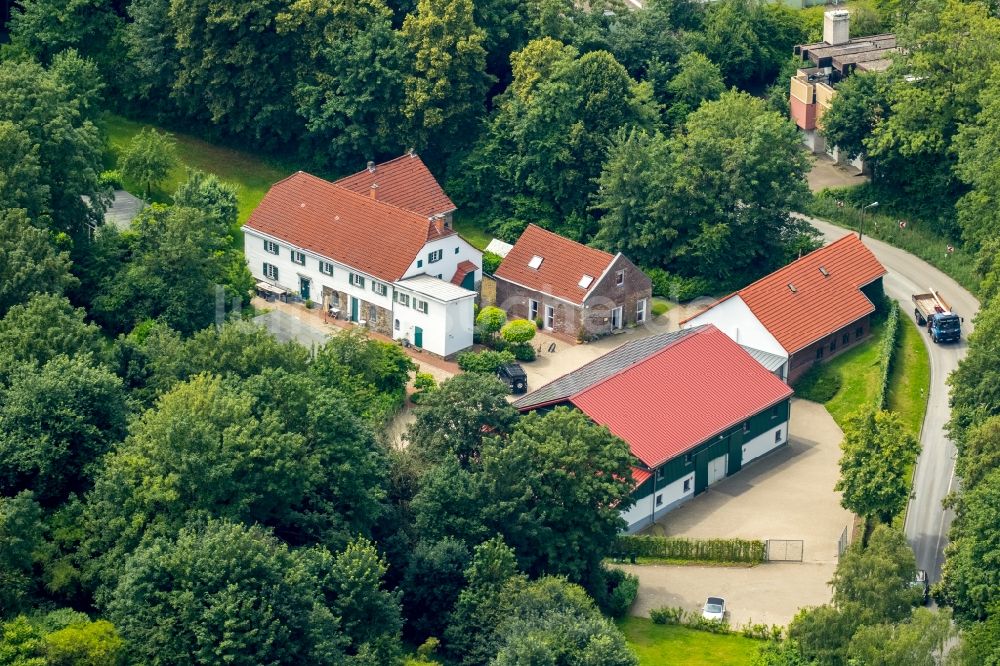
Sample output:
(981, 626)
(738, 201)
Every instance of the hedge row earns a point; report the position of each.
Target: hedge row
(707, 550)
(887, 354)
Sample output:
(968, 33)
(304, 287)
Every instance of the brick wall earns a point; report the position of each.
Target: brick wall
(608, 294)
(831, 345)
(513, 299)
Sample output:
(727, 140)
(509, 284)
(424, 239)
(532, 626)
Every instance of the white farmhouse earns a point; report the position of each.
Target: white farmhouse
(376, 248)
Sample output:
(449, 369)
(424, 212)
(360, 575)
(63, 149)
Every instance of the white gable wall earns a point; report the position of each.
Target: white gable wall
(735, 319)
(450, 258)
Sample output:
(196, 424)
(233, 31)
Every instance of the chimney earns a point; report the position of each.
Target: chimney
(371, 167)
(372, 191)
(836, 27)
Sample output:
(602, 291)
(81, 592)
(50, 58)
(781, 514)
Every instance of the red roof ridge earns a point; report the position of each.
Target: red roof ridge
(786, 267)
(698, 330)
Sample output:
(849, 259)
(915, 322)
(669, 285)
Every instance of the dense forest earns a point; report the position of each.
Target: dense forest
(178, 487)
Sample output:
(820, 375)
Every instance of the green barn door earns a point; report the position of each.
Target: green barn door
(700, 472)
(469, 281)
(418, 337)
(735, 452)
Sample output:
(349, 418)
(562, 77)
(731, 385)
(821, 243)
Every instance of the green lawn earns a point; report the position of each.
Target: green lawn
(910, 379)
(471, 229)
(253, 175)
(859, 373)
(661, 644)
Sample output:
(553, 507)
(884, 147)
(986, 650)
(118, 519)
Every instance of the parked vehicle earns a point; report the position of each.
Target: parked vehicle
(921, 581)
(514, 376)
(932, 311)
(715, 609)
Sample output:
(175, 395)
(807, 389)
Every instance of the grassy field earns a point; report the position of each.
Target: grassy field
(910, 379)
(249, 172)
(662, 645)
(859, 372)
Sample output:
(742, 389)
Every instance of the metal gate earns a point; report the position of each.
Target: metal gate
(844, 541)
(785, 550)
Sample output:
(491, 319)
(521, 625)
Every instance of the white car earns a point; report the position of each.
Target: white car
(715, 609)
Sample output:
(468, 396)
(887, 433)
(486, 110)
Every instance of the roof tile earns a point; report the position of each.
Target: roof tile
(564, 263)
(405, 182)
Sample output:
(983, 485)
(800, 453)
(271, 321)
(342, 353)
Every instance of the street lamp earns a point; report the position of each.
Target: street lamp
(861, 223)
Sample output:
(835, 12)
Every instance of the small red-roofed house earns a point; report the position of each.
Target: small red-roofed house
(807, 312)
(693, 406)
(573, 290)
(376, 248)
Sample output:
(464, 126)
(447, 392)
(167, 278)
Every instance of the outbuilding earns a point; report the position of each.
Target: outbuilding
(693, 406)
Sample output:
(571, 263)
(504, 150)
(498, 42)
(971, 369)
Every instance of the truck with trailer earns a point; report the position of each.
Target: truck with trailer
(931, 310)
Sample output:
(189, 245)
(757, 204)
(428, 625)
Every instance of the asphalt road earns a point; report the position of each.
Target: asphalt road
(927, 522)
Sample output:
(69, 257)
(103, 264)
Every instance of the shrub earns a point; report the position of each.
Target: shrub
(485, 361)
(708, 550)
(819, 384)
(490, 320)
(491, 262)
(678, 288)
(659, 307)
(622, 590)
(764, 632)
(666, 615)
(694, 620)
(523, 352)
(111, 179)
(423, 383)
(518, 331)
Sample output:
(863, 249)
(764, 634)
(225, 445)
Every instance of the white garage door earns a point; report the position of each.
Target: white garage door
(717, 468)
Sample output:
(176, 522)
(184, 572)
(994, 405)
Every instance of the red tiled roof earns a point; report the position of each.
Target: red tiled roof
(463, 269)
(639, 476)
(821, 304)
(564, 263)
(372, 236)
(405, 182)
(681, 396)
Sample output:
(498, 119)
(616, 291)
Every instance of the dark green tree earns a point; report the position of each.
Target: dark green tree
(45, 28)
(446, 87)
(860, 103)
(224, 593)
(20, 549)
(877, 451)
(29, 260)
(969, 581)
(148, 158)
(556, 488)
(873, 583)
(434, 578)
(45, 327)
(55, 423)
(917, 642)
(697, 80)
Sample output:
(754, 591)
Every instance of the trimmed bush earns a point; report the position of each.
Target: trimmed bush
(491, 262)
(667, 615)
(622, 590)
(677, 288)
(887, 353)
(487, 362)
(705, 550)
(523, 352)
(819, 384)
(518, 331)
(659, 308)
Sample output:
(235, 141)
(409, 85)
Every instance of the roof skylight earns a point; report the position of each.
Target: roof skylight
(535, 262)
(586, 280)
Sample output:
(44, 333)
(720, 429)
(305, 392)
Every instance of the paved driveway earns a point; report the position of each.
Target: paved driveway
(787, 494)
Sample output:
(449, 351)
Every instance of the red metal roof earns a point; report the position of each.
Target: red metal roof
(564, 263)
(681, 396)
(405, 182)
(372, 236)
(821, 303)
(463, 269)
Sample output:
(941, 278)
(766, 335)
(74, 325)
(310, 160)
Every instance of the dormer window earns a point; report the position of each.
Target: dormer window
(585, 281)
(535, 262)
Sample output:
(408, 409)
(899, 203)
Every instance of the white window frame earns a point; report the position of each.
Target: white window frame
(379, 288)
(550, 318)
(325, 267)
(640, 311)
(435, 256)
(298, 257)
(402, 299)
(271, 247)
(532, 309)
(420, 306)
(620, 278)
(357, 280)
(270, 271)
